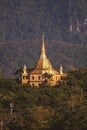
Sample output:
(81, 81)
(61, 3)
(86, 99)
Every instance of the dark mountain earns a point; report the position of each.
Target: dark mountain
(14, 55)
(22, 22)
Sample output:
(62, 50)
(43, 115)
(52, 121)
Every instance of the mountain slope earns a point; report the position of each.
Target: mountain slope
(23, 22)
(15, 54)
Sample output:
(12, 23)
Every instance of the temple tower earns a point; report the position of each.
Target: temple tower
(43, 68)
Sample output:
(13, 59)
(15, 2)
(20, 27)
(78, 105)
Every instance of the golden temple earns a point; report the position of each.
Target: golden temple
(43, 72)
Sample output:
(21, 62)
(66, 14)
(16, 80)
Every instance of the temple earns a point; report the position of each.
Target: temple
(43, 72)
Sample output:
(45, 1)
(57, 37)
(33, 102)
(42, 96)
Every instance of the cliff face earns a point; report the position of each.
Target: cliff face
(78, 16)
(20, 20)
(22, 23)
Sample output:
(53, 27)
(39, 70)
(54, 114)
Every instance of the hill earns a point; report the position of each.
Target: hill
(46, 107)
(23, 22)
(15, 54)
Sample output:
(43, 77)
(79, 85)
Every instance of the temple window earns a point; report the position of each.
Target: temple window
(32, 77)
(24, 77)
(39, 84)
(39, 77)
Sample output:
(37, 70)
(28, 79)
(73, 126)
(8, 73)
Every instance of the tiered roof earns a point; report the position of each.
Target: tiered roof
(43, 64)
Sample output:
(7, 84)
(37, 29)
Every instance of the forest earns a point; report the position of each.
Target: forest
(22, 23)
(63, 107)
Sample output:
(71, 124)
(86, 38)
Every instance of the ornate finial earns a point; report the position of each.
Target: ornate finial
(43, 54)
(42, 37)
(43, 47)
(25, 69)
(61, 69)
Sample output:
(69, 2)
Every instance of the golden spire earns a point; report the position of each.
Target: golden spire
(43, 53)
(25, 69)
(61, 69)
(43, 62)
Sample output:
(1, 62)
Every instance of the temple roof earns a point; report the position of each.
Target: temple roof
(43, 64)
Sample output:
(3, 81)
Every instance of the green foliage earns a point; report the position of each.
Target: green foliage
(78, 78)
(69, 120)
(46, 108)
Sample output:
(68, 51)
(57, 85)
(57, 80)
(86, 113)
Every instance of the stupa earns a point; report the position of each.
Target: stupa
(43, 71)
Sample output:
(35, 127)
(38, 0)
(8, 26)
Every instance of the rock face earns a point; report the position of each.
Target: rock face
(77, 16)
